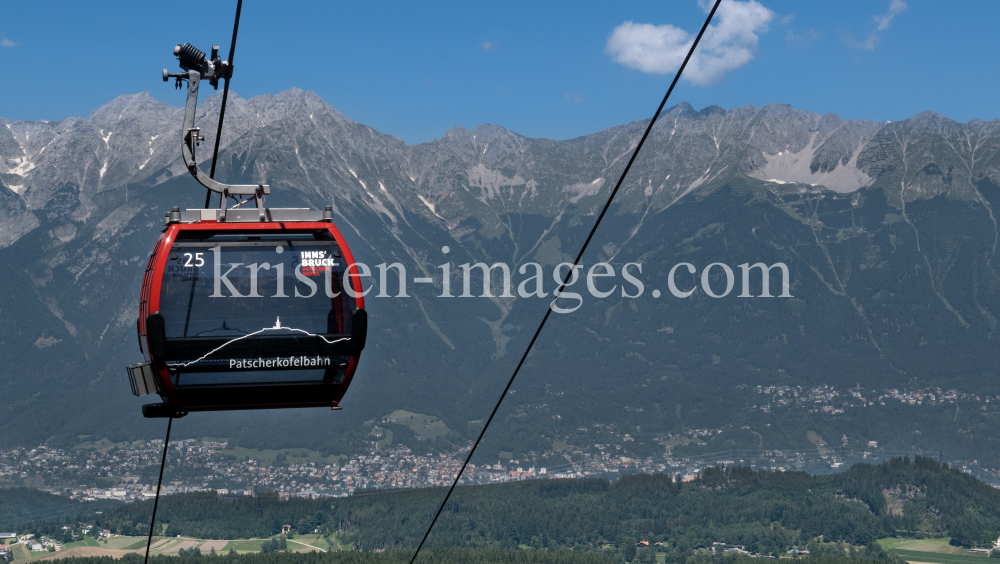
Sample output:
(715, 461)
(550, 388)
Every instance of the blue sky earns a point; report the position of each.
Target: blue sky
(540, 68)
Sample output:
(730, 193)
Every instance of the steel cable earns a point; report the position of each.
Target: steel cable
(572, 270)
(225, 97)
(159, 483)
(208, 198)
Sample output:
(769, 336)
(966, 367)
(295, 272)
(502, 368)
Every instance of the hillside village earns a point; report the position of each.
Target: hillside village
(830, 400)
(128, 472)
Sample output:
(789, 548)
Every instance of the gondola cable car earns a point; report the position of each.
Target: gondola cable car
(244, 308)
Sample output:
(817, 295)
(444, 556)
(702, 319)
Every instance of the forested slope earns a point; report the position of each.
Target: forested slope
(439, 556)
(18, 505)
(446, 556)
(768, 512)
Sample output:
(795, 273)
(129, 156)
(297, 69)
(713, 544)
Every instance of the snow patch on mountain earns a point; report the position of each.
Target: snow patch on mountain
(22, 166)
(490, 182)
(429, 204)
(584, 189)
(788, 167)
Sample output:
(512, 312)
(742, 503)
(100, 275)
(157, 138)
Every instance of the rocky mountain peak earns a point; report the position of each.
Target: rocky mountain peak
(296, 139)
(141, 105)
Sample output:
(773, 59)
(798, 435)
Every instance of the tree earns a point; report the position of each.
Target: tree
(274, 545)
(627, 546)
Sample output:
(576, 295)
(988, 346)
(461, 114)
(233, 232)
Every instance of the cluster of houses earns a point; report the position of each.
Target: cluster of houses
(4, 552)
(40, 544)
(726, 547)
(646, 543)
(792, 395)
(524, 474)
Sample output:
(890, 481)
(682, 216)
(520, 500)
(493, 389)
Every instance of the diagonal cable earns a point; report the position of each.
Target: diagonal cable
(572, 270)
(225, 96)
(159, 483)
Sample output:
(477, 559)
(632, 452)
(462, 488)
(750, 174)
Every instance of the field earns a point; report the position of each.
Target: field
(87, 541)
(424, 426)
(306, 543)
(117, 546)
(818, 441)
(924, 545)
(242, 546)
(19, 553)
(940, 558)
(560, 446)
(675, 441)
(22, 554)
(292, 456)
(105, 445)
(125, 543)
(386, 436)
(931, 551)
(82, 552)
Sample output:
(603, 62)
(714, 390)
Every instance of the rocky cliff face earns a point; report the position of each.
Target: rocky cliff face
(295, 139)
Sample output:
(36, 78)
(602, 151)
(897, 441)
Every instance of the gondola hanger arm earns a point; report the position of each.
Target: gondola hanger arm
(196, 68)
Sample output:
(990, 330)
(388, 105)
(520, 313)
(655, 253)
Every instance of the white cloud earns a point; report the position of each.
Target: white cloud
(725, 46)
(4, 42)
(487, 45)
(896, 7)
(882, 22)
(803, 39)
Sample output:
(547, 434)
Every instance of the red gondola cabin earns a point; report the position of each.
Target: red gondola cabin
(238, 313)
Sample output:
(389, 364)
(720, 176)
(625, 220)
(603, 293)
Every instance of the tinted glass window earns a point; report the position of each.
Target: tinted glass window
(241, 308)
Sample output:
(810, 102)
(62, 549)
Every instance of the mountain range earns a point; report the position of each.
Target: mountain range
(887, 230)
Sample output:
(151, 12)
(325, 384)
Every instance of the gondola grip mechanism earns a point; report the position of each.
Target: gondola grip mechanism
(197, 67)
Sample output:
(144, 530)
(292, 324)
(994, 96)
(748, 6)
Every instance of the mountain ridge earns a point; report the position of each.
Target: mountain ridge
(776, 144)
(86, 199)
